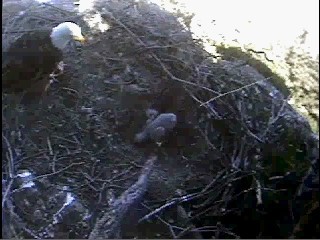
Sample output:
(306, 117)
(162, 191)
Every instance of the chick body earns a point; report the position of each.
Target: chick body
(157, 129)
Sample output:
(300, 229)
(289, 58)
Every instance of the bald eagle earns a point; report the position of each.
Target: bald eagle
(29, 61)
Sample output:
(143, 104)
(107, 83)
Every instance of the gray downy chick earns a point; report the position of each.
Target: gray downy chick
(151, 114)
(157, 128)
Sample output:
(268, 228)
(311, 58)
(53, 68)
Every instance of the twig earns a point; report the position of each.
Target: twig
(206, 138)
(261, 52)
(157, 59)
(22, 31)
(272, 120)
(11, 163)
(71, 90)
(169, 204)
(233, 91)
(258, 192)
(4, 197)
(11, 170)
(57, 172)
(109, 225)
(66, 12)
(170, 226)
(49, 146)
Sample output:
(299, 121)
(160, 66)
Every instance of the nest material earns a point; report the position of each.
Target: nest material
(82, 135)
(18, 18)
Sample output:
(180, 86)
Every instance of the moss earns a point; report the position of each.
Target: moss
(232, 53)
(302, 69)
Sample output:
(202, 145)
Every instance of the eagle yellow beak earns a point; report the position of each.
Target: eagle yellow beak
(79, 38)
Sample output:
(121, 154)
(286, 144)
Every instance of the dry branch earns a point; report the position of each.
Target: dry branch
(108, 226)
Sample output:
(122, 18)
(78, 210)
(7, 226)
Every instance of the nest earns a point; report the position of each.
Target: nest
(81, 136)
(19, 18)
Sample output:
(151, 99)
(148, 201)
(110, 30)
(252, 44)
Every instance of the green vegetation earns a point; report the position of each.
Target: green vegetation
(297, 75)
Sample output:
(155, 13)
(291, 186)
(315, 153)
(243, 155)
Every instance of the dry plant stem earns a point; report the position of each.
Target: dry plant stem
(261, 52)
(109, 225)
(233, 91)
(5, 195)
(169, 204)
(10, 168)
(170, 226)
(273, 119)
(241, 110)
(183, 216)
(57, 8)
(183, 198)
(57, 172)
(157, 59)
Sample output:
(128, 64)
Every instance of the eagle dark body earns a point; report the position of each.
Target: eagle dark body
(28, 62)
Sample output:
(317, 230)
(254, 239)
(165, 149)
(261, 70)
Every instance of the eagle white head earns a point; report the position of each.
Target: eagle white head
(65, 32)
